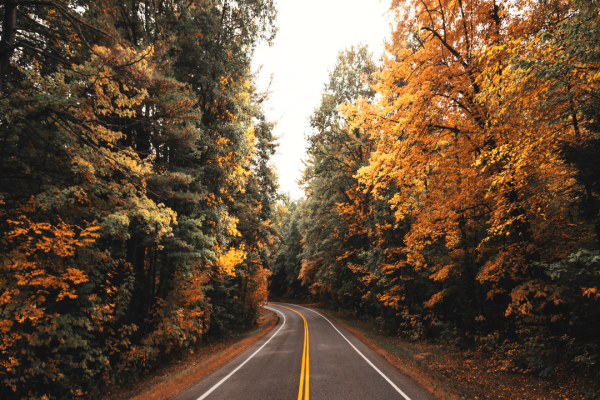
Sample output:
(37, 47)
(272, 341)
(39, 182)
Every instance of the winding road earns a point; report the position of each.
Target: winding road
(306, 355)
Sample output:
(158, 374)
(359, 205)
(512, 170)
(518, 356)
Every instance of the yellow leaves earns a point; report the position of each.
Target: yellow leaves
(250, 136)
(107, 83)
(156, 218)
(230, 259)
(237, 164)
(229, 223)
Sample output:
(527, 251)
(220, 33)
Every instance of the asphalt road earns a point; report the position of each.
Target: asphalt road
(335, 363)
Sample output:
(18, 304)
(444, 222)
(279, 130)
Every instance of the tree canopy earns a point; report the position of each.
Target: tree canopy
(136, 191)
(452, 189)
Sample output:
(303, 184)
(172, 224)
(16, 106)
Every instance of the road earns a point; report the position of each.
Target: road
(306, 355)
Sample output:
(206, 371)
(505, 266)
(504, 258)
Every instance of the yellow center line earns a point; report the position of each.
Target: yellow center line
(307, 361)
(305, 358)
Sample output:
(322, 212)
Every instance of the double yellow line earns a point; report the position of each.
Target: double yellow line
(305, 372)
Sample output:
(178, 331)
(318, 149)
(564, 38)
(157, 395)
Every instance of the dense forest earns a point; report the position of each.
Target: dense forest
(453, 188)
(136, 191)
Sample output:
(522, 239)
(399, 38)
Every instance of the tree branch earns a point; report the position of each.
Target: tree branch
(446, 45)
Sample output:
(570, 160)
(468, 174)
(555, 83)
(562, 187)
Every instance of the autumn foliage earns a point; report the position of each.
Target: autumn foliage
(136, 191)
(452, 191)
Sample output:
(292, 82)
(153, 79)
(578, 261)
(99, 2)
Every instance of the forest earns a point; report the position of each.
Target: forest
(452, 188)
(136, 192)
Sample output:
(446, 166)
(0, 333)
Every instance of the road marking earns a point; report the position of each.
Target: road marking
(305, 358)
(212, 389)
(307, 361)
(361, 354)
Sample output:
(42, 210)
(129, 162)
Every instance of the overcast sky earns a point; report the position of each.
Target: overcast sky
(311, 33)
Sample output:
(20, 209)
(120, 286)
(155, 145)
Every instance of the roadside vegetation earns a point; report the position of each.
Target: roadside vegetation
(452, 372)
(136, 190)
(452, 188)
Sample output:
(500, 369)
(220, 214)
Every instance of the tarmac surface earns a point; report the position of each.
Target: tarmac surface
(335, 363)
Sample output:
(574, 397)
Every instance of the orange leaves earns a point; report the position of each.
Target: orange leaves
(309, 269)
(476, 205)
(85, 128)
(442, 272)
(390, 298)
(591, 292)
(466, 157)
(258, 291)
(29, 241)
(435, 299)
(178, 321)
(61, 239)
(363, 275)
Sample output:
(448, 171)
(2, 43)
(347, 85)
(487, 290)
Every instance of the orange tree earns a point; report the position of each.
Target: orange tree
(476, 127)
(475, 205)
(551, 77)
(429, 128)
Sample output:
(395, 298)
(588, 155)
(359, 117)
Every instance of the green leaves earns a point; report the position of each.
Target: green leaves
(132, 155)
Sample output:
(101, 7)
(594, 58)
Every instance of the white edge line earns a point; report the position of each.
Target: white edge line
(212, 389)
(361, 354)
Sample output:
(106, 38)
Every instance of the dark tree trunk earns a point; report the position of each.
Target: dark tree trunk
(9, 37)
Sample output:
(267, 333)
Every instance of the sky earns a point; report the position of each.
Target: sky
(311, 33)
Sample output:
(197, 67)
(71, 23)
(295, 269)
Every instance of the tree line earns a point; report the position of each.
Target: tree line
(452, 189)
(136, 191)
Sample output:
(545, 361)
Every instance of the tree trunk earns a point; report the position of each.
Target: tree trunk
(9, 37)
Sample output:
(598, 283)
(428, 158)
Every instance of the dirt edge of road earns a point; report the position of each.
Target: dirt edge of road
(450, 373)
(178, 375)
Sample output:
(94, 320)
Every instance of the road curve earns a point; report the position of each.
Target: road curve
(338, 366)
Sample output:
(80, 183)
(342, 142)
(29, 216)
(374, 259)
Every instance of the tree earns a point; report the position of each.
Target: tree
(335, 207)
(460, 199)
(287, 261)
(130, 137)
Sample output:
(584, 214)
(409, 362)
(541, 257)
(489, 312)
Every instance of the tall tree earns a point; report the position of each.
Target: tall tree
(335, 207)
(462, 198)
(129, 133)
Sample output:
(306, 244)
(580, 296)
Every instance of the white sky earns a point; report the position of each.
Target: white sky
(311, 33)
